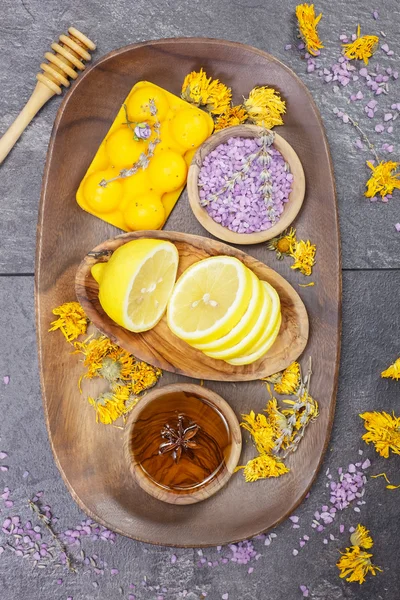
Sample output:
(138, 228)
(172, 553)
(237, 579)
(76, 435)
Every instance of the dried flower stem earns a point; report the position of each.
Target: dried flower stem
(46, 521)
(261, 154)
(145, 157)
(364, 136)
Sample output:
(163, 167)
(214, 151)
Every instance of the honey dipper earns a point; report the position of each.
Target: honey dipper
(68, 57)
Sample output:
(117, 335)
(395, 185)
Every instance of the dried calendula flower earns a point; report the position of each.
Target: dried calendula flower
(262, 432)
(203, 91)
(384, 179)
(283, 242)
(112, 405)
(286, 382)
(355, 564)
(303, 254)
(235, 115)
(392, 372)
(360, 537)
(362, 48)
(265, 107)
(264, 465)
(72, 320)
(383, 430)
(126, 376)
(308, 22)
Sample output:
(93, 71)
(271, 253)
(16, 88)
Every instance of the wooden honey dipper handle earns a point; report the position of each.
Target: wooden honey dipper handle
(68, 57)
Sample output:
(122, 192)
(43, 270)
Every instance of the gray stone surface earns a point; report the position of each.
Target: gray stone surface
(370, 328)
(28, 27)
(369, 298)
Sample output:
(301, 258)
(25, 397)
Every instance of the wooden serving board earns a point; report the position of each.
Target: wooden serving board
(161, 347)
(90, 456)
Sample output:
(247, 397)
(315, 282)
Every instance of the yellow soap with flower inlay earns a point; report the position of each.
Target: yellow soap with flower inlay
(153, 129)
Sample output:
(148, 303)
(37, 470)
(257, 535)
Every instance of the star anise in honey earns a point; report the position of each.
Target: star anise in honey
(179, 439)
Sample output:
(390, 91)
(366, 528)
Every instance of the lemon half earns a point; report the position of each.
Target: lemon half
(137, 281)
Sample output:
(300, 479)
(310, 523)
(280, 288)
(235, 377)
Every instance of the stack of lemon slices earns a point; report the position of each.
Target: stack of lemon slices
(218, 305)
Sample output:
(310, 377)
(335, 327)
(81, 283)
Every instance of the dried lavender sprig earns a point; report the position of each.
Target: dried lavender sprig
(47, 522)
(267, 139)
(144, 158)
(363, 135)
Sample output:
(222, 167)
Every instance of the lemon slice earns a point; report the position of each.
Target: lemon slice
(265, 342)
(247, 342)
(209, 299)
(245, 324)
(137, 281)
(261, 348)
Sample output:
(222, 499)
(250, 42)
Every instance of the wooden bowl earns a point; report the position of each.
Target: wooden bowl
(220, 445)
(291, 209)
(161, 348)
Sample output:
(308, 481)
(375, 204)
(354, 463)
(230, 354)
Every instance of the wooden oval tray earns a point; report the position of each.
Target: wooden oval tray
(90, 456)
(162, 348)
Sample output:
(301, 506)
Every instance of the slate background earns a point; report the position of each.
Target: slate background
(371, 278)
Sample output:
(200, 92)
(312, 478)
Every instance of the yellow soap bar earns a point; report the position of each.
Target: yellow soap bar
(151, 123)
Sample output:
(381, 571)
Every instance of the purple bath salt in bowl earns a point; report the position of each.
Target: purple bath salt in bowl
(245, 183)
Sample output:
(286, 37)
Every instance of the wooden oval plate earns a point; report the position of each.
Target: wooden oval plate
(161, 347)
(90, 456)
(291, 208)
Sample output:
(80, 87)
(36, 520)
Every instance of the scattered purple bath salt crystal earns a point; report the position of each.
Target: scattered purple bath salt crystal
(341, 528)
(3, 455)
(305, 591)
(343, 37)
(288, 47)
(114, 571)
(397, 227)
(240, 190)
(294, 519)
(385, 48)
(173, 559)
(379, 128)
(387, 116)
(375, 14)
(358, 144)
(6, 379)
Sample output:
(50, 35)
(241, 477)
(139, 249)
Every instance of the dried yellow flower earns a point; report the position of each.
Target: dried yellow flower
(362, 48)
(383, 430)
(283, 242)
(308, 22)
(261, 430)
(263, 466)
(200, 90)
(286, 382)
(235, 115)
(384, 179)
(392, 372)
(360, 537)
(355, 564)
(303, 254)
(72, 320)
(265, 107)
(127, 377)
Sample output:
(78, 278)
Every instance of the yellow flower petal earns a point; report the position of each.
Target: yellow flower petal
(392, 372)
(265, 107)
(308, 22)
(362, 48)
(72, 320)
(355, 564)
(384, 179)
(383, 430)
